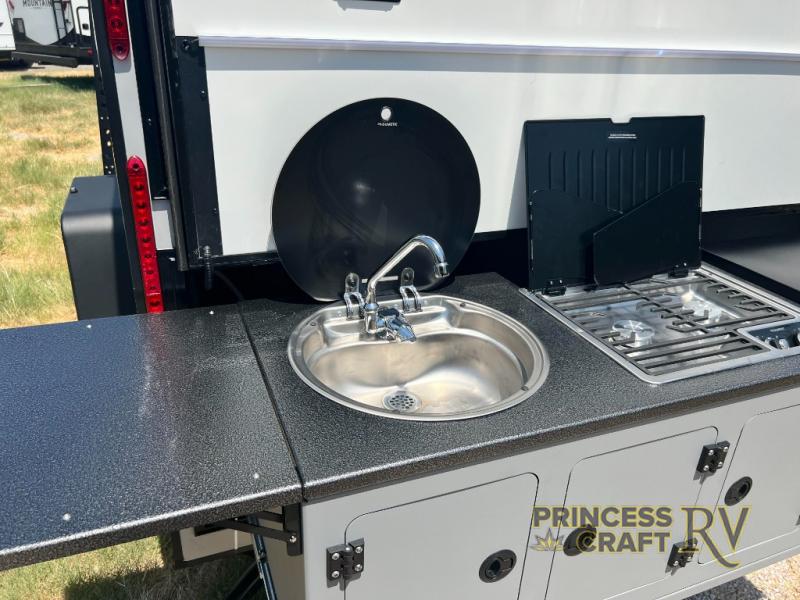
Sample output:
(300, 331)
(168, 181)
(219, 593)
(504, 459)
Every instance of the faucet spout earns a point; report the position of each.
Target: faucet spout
(396, 327)
(426, 241)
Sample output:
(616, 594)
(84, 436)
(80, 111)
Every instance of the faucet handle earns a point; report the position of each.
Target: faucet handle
(412, 302)
(393, 325)
(353, 300)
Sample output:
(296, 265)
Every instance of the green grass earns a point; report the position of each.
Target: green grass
(48, 136)
(133, 571)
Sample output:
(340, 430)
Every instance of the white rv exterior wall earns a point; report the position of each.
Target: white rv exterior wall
(263, 99)
(39, 19)
(81, 16)
(770, 25)
(6, 33)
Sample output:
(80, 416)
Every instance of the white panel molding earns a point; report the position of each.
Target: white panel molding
(366, 45)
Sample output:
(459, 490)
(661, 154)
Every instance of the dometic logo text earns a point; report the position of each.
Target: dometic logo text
(637, 529)
(615, 135)
(37, 3)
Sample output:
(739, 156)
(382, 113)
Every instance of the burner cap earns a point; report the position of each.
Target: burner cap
(640, 333)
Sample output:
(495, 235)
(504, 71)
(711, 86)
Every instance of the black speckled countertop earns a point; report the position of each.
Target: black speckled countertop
(339, 450)
(116, 429)
(120, 428)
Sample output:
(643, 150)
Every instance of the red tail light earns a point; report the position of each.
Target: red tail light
(145, 237)
(119, 41)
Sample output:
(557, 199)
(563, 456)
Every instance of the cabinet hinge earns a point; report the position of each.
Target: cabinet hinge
(679, 271)
(555, 287)
(345, 561)
(682, 554)
(713, 457)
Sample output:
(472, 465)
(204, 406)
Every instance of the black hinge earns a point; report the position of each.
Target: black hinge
(555, 287)
(713, 457)
(679, 271)
(345, 561)
(682, 554)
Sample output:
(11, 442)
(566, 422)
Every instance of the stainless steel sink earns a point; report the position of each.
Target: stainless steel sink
(468, 360)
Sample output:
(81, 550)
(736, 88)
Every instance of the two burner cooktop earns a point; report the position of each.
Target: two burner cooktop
(668, 328)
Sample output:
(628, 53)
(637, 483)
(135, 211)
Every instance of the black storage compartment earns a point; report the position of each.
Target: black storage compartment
(94, 240)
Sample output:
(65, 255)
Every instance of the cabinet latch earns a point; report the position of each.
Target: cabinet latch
(682, 554)
(345, 561)
(713, 457)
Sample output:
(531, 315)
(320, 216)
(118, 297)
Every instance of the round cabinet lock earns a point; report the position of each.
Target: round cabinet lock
(737, 492)
(497, 566)
(580, 541)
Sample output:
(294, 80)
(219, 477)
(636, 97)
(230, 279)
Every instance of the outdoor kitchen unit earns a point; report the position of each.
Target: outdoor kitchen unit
(458, 302)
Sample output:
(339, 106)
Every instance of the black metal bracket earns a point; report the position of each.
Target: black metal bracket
(291, 532)
(679, 271)
(345, 561)
(682, 554)
(712, 458)
(555, 288)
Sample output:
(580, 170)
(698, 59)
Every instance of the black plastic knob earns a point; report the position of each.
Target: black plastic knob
(737, 492)
(497, 566)
(580, 541)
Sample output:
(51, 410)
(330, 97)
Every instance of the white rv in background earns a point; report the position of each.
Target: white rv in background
(6, 34)
(52, 31)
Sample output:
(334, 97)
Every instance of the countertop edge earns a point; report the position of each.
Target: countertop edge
(85, 541)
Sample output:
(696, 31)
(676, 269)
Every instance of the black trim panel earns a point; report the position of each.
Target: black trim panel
(724, 226)
(194, 148)
(50, 59)
(104, 67)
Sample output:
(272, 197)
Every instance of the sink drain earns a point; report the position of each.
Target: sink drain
(401, 401)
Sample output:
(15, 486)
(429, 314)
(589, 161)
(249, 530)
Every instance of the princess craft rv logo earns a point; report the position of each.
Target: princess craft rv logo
(631, 529)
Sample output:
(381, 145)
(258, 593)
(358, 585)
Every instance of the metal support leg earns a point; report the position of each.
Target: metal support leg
(247, 585)
(262, 562)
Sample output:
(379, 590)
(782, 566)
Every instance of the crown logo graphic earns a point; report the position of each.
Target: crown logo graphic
(548, 543)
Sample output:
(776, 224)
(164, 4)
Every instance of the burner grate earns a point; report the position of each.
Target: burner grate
(694, 339)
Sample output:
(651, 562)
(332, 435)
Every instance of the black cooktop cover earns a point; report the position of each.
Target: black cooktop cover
(611, 203)
(363, 181)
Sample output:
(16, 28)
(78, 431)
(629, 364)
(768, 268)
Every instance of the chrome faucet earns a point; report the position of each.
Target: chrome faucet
(390, 323)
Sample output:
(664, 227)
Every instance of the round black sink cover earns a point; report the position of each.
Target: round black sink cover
(362, 182)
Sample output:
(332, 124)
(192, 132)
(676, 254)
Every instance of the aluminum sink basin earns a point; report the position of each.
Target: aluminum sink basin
(468, 360)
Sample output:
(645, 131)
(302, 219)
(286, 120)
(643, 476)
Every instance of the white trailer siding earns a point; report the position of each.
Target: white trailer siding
(44, 23)
(6, 33)
(737, 63)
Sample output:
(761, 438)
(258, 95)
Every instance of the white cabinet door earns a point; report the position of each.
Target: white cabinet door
(768, 452)
(660, 473)
(434, 548)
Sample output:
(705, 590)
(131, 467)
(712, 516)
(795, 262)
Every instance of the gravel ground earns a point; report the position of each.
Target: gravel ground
(778, 582)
